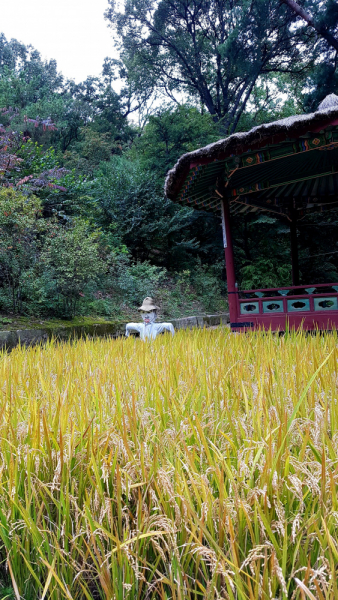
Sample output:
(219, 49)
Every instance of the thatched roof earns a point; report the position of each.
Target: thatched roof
(256, 137)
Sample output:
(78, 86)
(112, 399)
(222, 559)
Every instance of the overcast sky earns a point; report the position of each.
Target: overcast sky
(73, 32)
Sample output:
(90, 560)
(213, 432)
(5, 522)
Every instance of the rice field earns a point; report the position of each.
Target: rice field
(203, 466)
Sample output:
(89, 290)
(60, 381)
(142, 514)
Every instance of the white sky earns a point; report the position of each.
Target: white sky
(73, 32)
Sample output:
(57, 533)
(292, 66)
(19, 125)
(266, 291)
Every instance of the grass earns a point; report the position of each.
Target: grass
(202, 466)
(8, 323)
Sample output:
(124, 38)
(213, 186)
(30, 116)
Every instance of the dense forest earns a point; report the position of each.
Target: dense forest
(85, 227)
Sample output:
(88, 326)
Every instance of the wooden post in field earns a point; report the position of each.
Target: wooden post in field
(294, 247)
(229, 260)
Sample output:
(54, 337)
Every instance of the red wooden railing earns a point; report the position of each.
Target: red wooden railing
(312, 306)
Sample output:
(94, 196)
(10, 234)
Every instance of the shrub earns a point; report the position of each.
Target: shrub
(138, 280)
(71, 261)
(264, 273)
(19, 225)
(209, 287)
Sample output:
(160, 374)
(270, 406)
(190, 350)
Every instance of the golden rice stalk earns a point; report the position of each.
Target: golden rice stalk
(199, 466)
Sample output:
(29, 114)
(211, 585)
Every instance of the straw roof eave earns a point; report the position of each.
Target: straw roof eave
(238, 143)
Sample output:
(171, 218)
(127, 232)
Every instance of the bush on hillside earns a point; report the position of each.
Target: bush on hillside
(19, 227)
(71, 261)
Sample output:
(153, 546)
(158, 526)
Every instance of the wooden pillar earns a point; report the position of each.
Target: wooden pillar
(294, 247)
(229, 260)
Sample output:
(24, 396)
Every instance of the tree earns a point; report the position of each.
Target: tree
(171, 132)
(71, 260)
(327, 21)
(322, 79)
(35, 88)
(22, 163)
(130, 200)
(19, 225)
(214, 51)
(30, 86)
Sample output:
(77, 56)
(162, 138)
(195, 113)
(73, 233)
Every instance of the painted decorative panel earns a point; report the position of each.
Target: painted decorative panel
(329, 303)
(249, 308)
(272, 306)
(298, 305)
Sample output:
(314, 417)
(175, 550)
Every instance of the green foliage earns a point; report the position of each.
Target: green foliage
(138, 280)
(262, 251)
(94, 148)
(273, 97)
(209, 287)
(71, 261)
(19, 226)
(36, 159)
(264, 273)
(196, 291)
(214, 52)
(322, 79)
(129, 197)
(7, 593)
(35, 88)
(27, 80)
(319, 247)
(171, 132)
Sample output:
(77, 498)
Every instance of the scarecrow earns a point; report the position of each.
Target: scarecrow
(148, 329)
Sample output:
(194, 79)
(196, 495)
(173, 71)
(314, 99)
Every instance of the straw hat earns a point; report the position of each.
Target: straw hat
(148, 305)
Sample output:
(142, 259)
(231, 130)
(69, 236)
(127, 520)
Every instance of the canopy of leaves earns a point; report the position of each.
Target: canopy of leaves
(213, 51)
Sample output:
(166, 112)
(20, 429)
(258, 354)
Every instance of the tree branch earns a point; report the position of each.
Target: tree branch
(331, 40)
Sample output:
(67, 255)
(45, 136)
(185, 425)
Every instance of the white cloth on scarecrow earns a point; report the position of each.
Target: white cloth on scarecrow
(150, 330)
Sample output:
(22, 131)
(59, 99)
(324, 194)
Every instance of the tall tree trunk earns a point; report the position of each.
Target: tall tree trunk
(331, 40)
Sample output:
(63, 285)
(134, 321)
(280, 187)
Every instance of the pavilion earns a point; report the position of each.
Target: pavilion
(289, 168)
